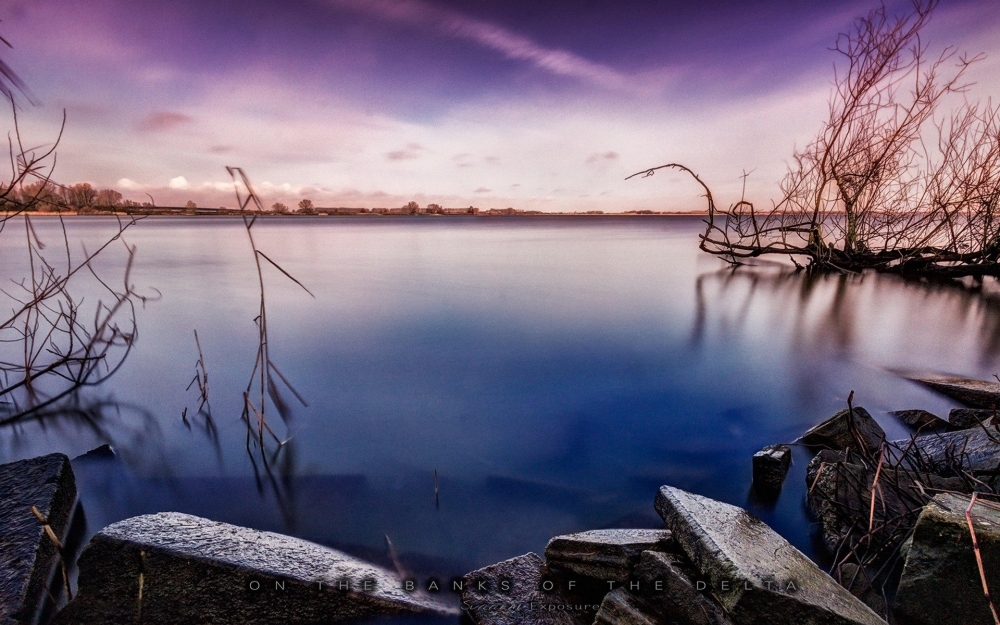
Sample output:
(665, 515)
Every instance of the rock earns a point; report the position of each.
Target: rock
(921, 420)
(171, 568)
(856, 580)
(940, 583)
(972, 393)
(965, 418)
(102, 452)
(839, 487)
(756, 575)
(511, 592)
(837, 432)
(604, 554)
(29, 559)
(974, 450)
(769, 468)
(620, 607)
(668, 586)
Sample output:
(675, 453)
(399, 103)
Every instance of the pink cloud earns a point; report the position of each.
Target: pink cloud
(163, 120)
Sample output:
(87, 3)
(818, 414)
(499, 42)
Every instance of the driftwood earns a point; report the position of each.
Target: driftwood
(891, 182)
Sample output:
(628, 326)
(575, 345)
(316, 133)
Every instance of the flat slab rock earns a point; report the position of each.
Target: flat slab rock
(28, 558)
(836, 432)
(977, 448)
(605, 554)
(169, 568)
(755, 574)
(940, 584)
(971, 392)
(511, 593)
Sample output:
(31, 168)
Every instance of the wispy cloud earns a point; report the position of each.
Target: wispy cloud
(411, 151)
(508, 43)
(163, 120)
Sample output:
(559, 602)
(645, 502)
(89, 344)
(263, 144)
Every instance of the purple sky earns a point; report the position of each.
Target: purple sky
(537, 105)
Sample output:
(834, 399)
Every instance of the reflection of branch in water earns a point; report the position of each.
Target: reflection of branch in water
(824, 312)
(264, 446)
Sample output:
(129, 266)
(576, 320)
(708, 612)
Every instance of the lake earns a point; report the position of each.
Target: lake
(553, 372)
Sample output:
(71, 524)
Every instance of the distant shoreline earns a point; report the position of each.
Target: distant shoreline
(360, 213)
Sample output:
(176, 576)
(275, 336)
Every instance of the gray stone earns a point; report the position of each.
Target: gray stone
(668, 586)
(974, 450)
(510, 592)
(965, 418)
(623, 608)
(940, 584)
(172, 568)
(839, 487)
(29, 560)
(755, 574)
(973, 393)
(770, 465)
(921, 420)
(846, 430)
(857, 581)
(604, 554)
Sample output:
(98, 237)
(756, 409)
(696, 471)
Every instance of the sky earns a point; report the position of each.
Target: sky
(494, 103)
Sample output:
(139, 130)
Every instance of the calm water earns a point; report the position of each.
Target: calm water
(553, 372)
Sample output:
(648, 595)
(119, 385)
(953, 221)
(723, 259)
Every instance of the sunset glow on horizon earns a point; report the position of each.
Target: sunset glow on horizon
(492, 104)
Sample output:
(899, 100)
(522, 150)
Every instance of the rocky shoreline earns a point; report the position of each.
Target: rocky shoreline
(912, 528)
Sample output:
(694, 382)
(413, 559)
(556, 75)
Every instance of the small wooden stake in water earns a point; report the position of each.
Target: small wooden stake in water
(437, 501)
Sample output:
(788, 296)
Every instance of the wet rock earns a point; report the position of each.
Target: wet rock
(29, 559)
(512, 592)
(857, 581)
(604, 554)
(974, 450)
(620, 607)
(973, 393)
(921, 420)
(172, 568)
(855, 430)
(940, 584)
(102, 452)
(756, 575)
(770, 465)
(965, 418)
(668, 586)
(839, 487)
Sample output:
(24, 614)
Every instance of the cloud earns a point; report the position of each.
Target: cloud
(163, 120)
(411, 151)
(129, 185)
(497, 38)
(220, 149)
(607, 156)
(483, 190)
(180, 182)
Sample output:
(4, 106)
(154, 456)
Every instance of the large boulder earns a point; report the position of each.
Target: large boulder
(965, 418)
(974, 450)
(607, 554)
(973, 393)
(514, 592)
(756, 575)
(30, 567)
(670, 587)
(839, 488)
(848, 429)
(940, 583)
(171, 568)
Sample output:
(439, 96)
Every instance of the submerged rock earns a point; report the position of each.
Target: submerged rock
(172, 568)
(940, 584)
(965, 418)
(514, 592)
(921, 420)
(973, 393)
(756, 575)
(855, 430)
(604, 554)
(770, 465)
(29, 558)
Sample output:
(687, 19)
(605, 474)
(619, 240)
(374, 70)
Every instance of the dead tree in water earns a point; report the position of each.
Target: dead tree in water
(890, 183)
